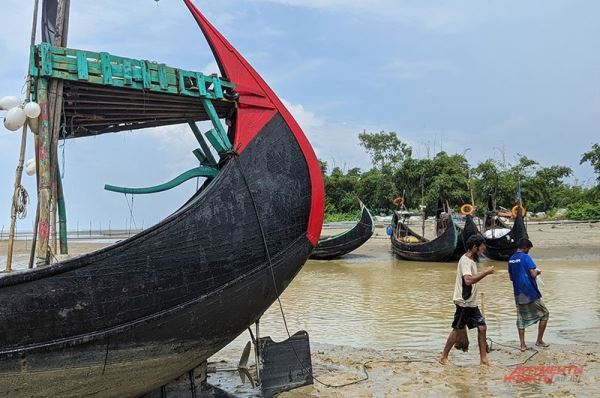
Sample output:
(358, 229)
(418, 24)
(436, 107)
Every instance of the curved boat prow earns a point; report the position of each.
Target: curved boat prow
(347, 241)
(257, 105)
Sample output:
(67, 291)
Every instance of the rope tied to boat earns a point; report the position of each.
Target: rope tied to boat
(21, 200)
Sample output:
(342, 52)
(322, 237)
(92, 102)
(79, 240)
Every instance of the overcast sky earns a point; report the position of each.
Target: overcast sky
(493, 76)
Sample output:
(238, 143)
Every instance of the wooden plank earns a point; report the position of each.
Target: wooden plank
(214, 117)
(217, 89)
(82, 66)
(33, 70)
(216, 141)
(146, 82)
(127, 72)
(200, 156)
(201, 84)
(162, 78)
(46, 59)
(44, 175)
(205, 148)
(106, 68)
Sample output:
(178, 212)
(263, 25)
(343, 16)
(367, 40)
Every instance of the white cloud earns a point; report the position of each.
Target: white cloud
(210, 68)
(336, 143)
(305, 118)
(177, 142)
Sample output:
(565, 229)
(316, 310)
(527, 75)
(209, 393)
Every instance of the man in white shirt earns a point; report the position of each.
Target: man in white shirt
(465, 298)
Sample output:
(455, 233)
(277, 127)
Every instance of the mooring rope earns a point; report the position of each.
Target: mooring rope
(264, 239)
(21, 202)
(130, 207)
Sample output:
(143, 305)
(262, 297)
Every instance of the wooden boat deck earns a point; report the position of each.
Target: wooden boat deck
(104, 93)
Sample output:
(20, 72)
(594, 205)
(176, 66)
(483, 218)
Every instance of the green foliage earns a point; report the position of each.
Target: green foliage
(421, 181)
(593, 157)
(338, 217)
(385, 149)
(584, 211)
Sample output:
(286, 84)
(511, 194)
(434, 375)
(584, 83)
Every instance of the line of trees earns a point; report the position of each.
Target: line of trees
(396, 172)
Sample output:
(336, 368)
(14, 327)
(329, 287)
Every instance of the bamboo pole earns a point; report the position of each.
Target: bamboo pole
(19, 171)
(44, 187)
(37, 207)
(55, 104)
(62, 216)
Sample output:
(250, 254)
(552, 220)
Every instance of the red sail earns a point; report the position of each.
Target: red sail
(257, 105)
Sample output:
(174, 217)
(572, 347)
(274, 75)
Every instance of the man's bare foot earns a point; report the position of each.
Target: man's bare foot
(524, 348)
(542, 344)
(443, 361)
(485, 362)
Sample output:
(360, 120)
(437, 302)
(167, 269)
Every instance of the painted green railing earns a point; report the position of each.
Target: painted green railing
(106, 69)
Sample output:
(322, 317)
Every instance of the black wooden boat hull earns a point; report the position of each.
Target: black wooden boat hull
(344, 243)
(436, 250)
(502, 248)
(464, 233)
(129, 318)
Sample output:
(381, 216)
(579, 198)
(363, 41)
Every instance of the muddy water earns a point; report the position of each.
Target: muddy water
(371, 299)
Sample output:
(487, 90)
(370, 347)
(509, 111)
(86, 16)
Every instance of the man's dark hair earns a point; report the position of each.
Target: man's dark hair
(474, 241)
(524, 243)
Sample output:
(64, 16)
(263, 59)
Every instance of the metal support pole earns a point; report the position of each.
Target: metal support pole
(257, 352)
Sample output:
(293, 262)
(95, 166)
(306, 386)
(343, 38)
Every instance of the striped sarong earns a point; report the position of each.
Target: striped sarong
(532, 313)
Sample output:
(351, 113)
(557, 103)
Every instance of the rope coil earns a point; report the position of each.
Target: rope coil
(21, 200)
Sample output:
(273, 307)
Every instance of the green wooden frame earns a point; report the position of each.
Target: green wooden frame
(106, 69)
(47, 61)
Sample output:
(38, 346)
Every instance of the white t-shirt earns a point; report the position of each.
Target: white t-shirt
(466, 266)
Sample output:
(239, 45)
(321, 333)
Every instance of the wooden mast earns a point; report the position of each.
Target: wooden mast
(19, 172)
(50, 99)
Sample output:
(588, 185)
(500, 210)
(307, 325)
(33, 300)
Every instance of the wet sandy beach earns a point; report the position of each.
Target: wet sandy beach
(370, 311)
(372, 315)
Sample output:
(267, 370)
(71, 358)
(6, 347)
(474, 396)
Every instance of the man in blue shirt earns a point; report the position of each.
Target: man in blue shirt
(530, 307)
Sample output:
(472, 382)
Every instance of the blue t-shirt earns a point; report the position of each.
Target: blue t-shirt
(524, 286)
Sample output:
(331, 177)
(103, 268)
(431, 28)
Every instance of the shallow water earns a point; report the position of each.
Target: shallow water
(371, 299)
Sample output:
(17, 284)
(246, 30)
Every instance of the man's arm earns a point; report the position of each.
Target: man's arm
(472, 279)
(533, 270)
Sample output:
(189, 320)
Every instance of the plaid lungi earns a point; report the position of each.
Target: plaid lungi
(529, 314)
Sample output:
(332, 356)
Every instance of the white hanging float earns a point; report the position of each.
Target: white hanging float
(9, 102)
(30, 167)
(15, 118)
(32, 109)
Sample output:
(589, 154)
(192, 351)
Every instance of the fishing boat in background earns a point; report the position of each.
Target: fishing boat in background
(129, 318)
(501, 239)
(468, 229)
(409, 245)
(338, 245)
